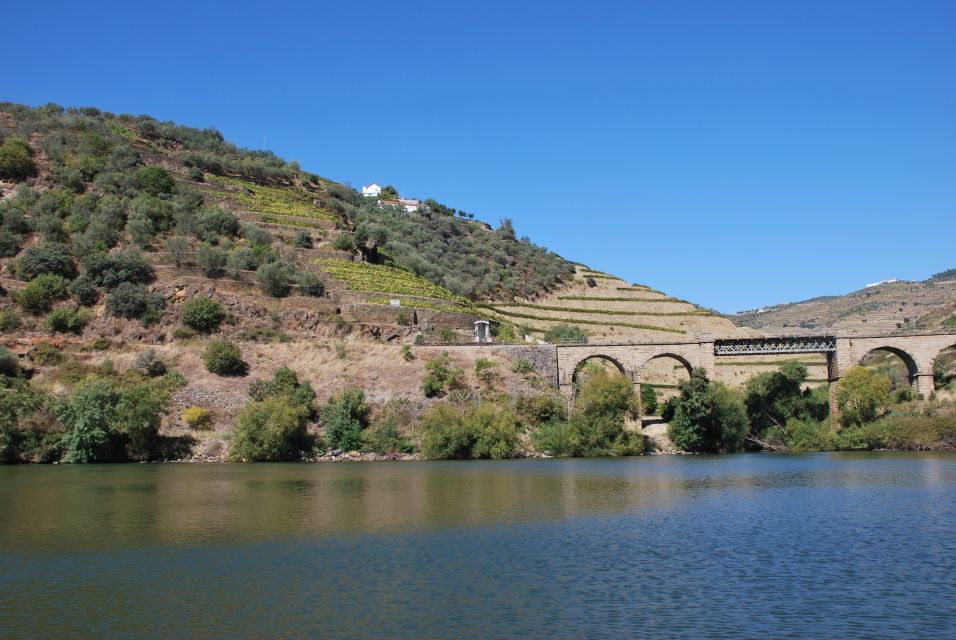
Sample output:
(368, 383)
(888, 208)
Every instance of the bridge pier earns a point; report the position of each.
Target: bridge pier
(924, 384)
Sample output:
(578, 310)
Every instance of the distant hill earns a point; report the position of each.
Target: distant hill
(887, 307)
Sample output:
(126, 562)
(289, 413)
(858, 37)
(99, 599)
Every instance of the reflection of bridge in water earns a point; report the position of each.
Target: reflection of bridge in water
(918, 352)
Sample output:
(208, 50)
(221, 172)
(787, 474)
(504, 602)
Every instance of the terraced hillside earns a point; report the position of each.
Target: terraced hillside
(897, 306)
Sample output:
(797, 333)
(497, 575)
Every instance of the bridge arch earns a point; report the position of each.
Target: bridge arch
(663, 373)
(596, 356)
(912, 367)
(944, 368)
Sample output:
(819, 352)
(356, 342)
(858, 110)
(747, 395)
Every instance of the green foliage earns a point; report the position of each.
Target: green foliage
(214, 223)
(345, 416)
(109, 270)
(284, 382)
(49, 257)
(212, 260)
(47, 355)
(16, 160)
(9, 363)
(155, 180)
(64, 321)
(483, 431)
(270, 199)
(178, 249)
(202, 314)
(343, 242)
(384, 437)
(522, 366)
(39, 296)
(565, 333)
(275, 279)
(774, 398)
(150, 363)
(649, 403)
(862, 395)
(269, 431)
(708, 416)
(388, 193)
(85, 291)
(224, 358)
(407, 354)
(917, 426)
(542, 408)
(363, 276)
(133, 301)
(9, 320)
(309, 284)
(441, 376)
(102, 344)
(303, 240)
(9, 244)
(29, 432)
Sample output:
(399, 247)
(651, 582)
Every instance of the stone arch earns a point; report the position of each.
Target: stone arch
(674, 356)
(949, 350)
(911, 364)
(659, 372)
(596, 356)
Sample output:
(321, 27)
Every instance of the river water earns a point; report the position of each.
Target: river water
(758, 546)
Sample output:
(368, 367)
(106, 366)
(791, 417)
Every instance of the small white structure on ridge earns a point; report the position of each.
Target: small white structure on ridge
(371, 190)
(411, 205)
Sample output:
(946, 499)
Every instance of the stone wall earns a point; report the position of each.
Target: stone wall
(544, 358)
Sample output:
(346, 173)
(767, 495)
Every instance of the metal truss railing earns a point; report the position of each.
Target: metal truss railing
(771, 346)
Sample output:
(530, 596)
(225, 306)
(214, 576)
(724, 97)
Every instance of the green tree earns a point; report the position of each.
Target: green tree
(224, 358)
(275, 279)
(155, 180)
(38, 296)
(202, 314)
(649, 402)
(90, 417)
(708, 417)
(49, 257)
(16, 161)
(272, 430)
(862, 395)
(345, 416)
(388, 193)
(64, 321)
(441, 375)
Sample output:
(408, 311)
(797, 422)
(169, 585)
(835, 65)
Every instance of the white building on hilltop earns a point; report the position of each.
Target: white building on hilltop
(411, 205)
(371, 190)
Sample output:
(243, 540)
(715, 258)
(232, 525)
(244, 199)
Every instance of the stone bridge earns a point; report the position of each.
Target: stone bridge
(919, 352)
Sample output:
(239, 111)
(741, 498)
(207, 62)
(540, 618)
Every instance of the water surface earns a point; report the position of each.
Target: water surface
(802, 546)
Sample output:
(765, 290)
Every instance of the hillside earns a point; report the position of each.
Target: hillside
(887, 307)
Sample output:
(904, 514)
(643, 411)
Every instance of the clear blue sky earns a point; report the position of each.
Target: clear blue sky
(733, 153)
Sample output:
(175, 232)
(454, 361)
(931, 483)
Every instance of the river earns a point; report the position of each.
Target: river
(735, 546)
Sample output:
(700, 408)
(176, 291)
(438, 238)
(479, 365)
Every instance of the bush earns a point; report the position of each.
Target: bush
(9, 244)
(150, 364)
(128, 300)
(345, 416)
(648, 400)
(155, 180)
(212, 260)
(309, 284)
(197, 418)
(269, 431)
(109, 270)
(47, 355)
(9, 320)
(224, 358)
(284, 382)
(564, 334)
(90, 416)
(16, 161)
(303, 240)
(522, 366)
(64, 321)
(343, 242)
(50, 257)
(542, 408)
(202, 314)
(384, 437)
(85, 291)
(102, 344)
(862, 395)
(9, 363)
(407, 354)
(441, 376)
(38, 296)
(274, 279)
(483, 431)
(591, 282)
(215, 223)
(178, 249)
(708, 416)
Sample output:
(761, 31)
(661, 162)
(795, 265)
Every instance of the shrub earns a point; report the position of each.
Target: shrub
(197, 418)
(9, 320)
(441, 376)
(214, 223)
(269, 431)
(16, 161)
(109, 270)
(9, 244)
(591, 282)
(284, 382)
(155, 180)
(9, 363)
(150, 364)
(483, 431)
(862, 395)
(102, 344)
(274, 279)
(212, 260)
(38, 296)
(50, 257)
(343, 242)
(708, 416)
(522, 366)
(224, 358)
(141, 229)
(407, 354)
(85, 291)
(195, 174)
(202, 314)
(384, 437)
(403, 318)
(345, 416)
(542, 408)
(303, 239)
(128, 300)
(648, 400)
(564, 334)
(309, 284)
(64, 321)
(47, 355)
(178, 249)
(90, 416)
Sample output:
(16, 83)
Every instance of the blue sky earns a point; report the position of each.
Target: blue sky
(736, 154)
